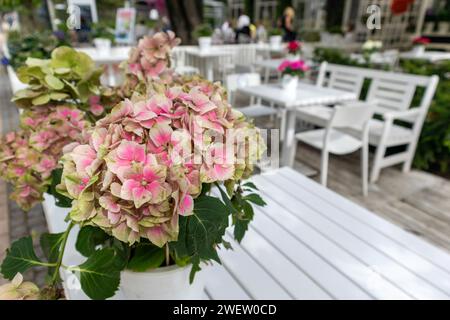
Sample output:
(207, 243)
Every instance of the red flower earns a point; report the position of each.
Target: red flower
(400, 6)
(421, 40)
(294, 47)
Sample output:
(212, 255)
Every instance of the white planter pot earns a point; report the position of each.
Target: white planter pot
(275, 41)
(419, 50)
(204, 43)
(103, 46)
(294, 57)
(289, 85)
(166, 283)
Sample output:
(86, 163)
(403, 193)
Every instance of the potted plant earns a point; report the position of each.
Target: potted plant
(370, 47)
(143, 186)
(294, 49)
(275, 37)
(419, 45)
(291, 71)
(103, 37)
(55, 110)
(203, 33)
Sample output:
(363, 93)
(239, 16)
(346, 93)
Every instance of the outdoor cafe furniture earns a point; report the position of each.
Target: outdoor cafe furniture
(207, 58)
(306, 95)
(332, 140)
(307, 243)
(391, 94)
(430, 56)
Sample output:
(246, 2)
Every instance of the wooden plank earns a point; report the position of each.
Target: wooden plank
(254, 279)
(220, 285)
(346, 263)
(293, 280)
(407, 241)
(365, 251)
(318, 269)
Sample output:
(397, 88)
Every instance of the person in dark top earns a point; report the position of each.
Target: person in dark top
(287, 24)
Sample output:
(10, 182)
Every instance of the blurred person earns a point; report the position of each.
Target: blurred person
(349, 36)
(287, 24)
(242, 27)
(261, 32)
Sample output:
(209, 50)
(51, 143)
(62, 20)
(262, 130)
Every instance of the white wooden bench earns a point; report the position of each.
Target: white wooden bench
(392, 96)
(311, 243)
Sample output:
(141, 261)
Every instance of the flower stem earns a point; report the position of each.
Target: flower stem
(61, 253)
(167, 254)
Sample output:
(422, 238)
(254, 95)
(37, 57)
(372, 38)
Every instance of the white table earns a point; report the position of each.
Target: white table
(306, 95)
(311, 243)
(208, 56)
(114, 56)
(430, 56)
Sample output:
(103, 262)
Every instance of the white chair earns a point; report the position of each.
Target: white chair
(391, 94)
(180, 63)
(255, 108)
(332, 140)
(336, 78)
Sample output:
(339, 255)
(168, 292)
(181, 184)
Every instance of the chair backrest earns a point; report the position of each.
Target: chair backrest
(240, 80)
(340, 78)
(390, 91)
(350, 116)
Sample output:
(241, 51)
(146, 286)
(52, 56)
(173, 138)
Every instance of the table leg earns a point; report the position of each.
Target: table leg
(289, 139)
(266, 75)
(209, 69)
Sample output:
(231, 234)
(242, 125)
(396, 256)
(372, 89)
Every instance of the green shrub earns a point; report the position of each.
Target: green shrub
(202, 30)
(433, 149)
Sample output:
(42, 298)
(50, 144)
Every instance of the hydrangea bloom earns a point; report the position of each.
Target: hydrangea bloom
(150, 59)
(28, 157)
(19, 290)
(145, 163)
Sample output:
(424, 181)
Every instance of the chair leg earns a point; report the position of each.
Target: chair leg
(365, 168)
(282, 124)
(379, 155)
(408, 163)
(324, 168)
(293, 154)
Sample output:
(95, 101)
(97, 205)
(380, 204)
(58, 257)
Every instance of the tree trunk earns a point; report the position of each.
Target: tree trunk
(184, 16)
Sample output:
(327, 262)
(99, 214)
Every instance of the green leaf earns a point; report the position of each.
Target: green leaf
(89, 238)
(250, 185)
(226, 200)
(19, 258)
(42, 99)
(54, 82)
(146, 256)
(241, 223)
(51, 245)
(255, 198)
(60, 200)
(58, 96)
(98, 275)
(200, 233)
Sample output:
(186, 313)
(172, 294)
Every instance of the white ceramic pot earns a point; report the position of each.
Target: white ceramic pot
(293, 57)
(289, 85)
(166, 283)
(103, 46)
(275, 41)
(419, 49)
(204, 43)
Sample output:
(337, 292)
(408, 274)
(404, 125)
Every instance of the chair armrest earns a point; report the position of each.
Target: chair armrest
(402, 115)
